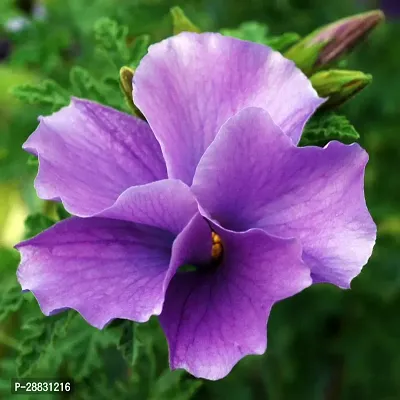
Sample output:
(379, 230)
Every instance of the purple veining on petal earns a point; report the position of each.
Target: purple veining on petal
(102, 268)
(270, 214)
(214, 317)
(167, 204)
(89, 154)
(116, 267)
(189, 85)
(312, 194)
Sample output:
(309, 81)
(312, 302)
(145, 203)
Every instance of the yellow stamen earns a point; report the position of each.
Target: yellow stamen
(217, 248)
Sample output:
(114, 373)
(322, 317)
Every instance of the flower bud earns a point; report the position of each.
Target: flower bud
(339, 85)
(327, 44)
(125, 79)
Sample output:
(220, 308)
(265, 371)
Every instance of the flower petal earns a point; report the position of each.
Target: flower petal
(189, 85)
(89, 154)
(213, 318)
(100, 267)
(193, 245)
(167, 204)
(310, 193)
(108, 268)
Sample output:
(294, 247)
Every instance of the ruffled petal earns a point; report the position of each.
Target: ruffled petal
(189, 85)
(102, 268)
(89, 154)
(167, 204)
(109, 268)
(253, 176)
(214, 317)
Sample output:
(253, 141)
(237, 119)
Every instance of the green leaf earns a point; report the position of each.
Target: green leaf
(98, 386)
(259, 33)
(282, 42)
(11, 299)
(61, 212)
(8, 259)
(32, 161)
(91, 357)
(139, 49)
(144, 362)
(85, 85)
(37, 223)
(175, 385)
(137, 346)
(126, 344)
(251, 30)
(46, 93)
(89, 345)
(112, 39)
(326, 126)
(181, 23)
(38, 336)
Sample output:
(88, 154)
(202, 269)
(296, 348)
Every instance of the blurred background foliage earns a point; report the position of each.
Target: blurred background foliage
(324, 344)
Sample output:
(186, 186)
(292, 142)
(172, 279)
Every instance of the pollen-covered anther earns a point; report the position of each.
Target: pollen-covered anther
(217, 249)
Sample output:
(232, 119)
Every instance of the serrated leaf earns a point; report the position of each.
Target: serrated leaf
(188, 389)
(11, 299)
(144, 362)
(37, 223)
(46, 93)
(256, 32)
(136, 343)
(91, 358)
(98, 388)
(89, 344)
(85, 85)
(126, 343)
(181, 23)
(38, 337)
(112, 38)
(175, 385)
(326, 126)
(139, 49)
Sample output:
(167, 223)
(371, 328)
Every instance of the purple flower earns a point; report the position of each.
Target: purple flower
(213, 180)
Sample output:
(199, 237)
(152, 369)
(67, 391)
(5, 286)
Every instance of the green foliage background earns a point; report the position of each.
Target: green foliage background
(324, 343)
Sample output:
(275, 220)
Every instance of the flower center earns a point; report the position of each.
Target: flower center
(217, 250)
